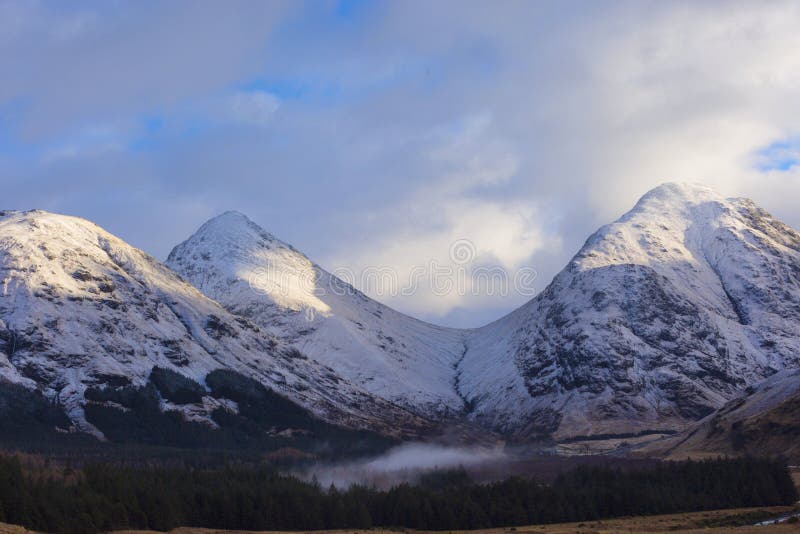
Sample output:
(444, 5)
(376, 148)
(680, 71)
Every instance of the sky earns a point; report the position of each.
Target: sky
(378, 134)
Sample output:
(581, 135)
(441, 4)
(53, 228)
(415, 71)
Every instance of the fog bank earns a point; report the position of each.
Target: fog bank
(404, 463)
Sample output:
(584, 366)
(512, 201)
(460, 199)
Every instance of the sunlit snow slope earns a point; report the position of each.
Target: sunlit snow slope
(255, 275)
(81, 309)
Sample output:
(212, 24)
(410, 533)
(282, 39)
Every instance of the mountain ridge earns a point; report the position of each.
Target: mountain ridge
(674, 247)
(81, 309)
(661, 318)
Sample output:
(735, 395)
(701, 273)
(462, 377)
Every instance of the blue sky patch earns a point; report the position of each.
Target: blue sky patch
(780, 156)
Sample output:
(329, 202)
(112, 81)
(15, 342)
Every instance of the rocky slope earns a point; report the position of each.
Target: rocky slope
(658, 320)
(762, 420)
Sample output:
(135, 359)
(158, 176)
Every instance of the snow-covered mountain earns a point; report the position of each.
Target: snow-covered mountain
(658, 320)
(85, 319)
(661, 318)
(257, 276)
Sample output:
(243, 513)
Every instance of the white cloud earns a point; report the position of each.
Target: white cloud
(586, 112)
(253, 107)
(502, 233)
(521, 127)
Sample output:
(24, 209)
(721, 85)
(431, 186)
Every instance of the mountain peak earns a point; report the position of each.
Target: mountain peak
(36, 224)
(230, 221)
(657, 230)
(687, 190)
(231, 216)
(670, 196)
(229, 233)
(230, 253)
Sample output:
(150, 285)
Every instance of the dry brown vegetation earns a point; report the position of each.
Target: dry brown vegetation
(739, 521)
(771, 432)
(711, 522)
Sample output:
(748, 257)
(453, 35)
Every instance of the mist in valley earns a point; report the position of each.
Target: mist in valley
(405, 464)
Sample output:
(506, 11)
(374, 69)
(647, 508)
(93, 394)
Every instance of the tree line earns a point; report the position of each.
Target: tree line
(105, 497)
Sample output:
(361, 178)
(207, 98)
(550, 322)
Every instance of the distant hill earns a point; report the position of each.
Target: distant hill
(764, 420)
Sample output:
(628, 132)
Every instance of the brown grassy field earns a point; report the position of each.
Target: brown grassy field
(711, 522)
(717, 521)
